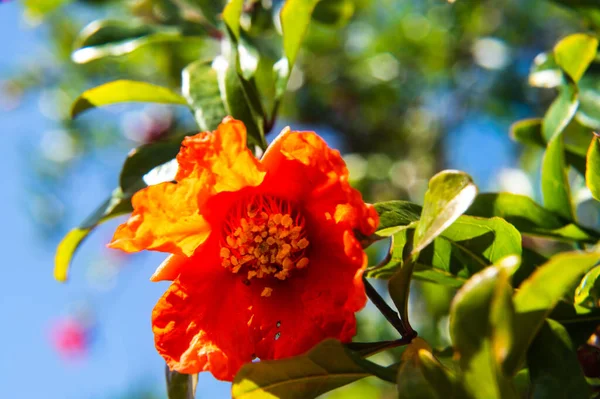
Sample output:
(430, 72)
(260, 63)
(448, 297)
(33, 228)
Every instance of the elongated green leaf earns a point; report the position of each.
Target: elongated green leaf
(555, 183)
(200, 87)
(588, 112)
(545, 72)
(529, 217)
(592, 175)
(502, 313)
(248, 56)
(473, 333)
(575, 53)
(181, 386)
(231, 15)
(560, 113)
(143, 159)
(466, 247)
(529, 131)
(295, 18)
(109, 38)
(118, 204)
(449, 195)
(123, 91)
(553, 365)
(396, 215)
(325, 367)
(587, 293)
(138, 163)
(538, 295)
(237, 101)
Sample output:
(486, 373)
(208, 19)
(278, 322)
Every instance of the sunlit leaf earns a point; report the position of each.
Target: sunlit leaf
(395, 215)
(555, 184)
(248, 57)
(473, 333)
(560, 113)
(553, 366)
(295, 18)
(237, 100)
(40, 8)
(231, 15)
(143, 159)
(529, 131)
(449, 195)
(463, 249)
(587, 293)
(575, 53)
(123, 91)
(200, 87)
(325, 367)
(588, 112)
(118, 204)
(529, 217)
(545, 72)
(538, 295)
(592, 175)
(104, 38)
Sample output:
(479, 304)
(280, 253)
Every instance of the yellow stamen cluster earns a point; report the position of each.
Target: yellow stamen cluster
(264, 236)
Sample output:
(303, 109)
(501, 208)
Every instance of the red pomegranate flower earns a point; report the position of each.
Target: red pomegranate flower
(264, 259)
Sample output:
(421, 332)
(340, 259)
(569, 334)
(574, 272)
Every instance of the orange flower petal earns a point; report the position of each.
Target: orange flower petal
(302, 167)
(165, 218)
(221, 157)
(170, 268)
(193, 334)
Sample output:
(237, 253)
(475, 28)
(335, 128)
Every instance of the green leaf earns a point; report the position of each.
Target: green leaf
(143, 159)
(200, 87)
(587, 293)
(181, 386)
(592, 175)
(118, 204)
(555, 183)
(232, 14)
(545, 72)
(104, 38)
(449, 195)
(529, 131)
(248, 56)
(333, 12)
(122, 91)
(553, 366)
(396, 215)
(589, 97)
(138, 163)
(295, 18)
(502, 313)
(539, 294)
(422, 376)
(575, 53)
(560, 112)
(325, 367)
(466, 247)
(473, 332)
(529, 217)
(238, 101)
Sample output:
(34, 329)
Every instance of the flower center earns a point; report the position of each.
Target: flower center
(264, 236)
